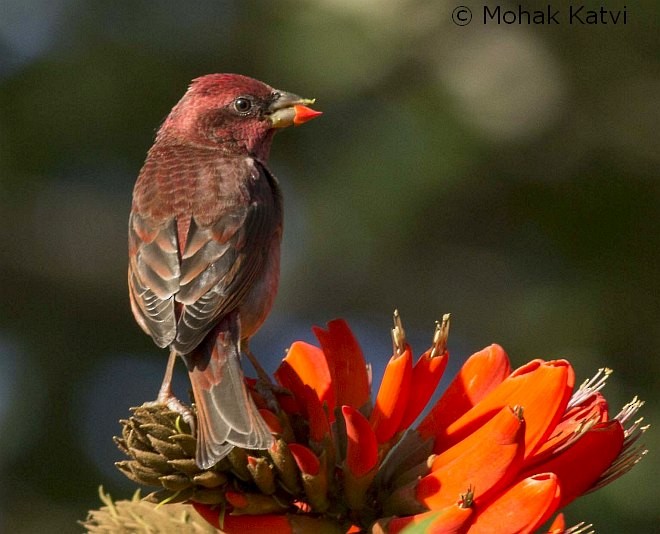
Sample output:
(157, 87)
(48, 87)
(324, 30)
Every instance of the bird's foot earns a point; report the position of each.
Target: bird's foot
(268, 390)
(166, 396)
(177, 406)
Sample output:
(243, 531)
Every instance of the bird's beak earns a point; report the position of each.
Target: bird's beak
(288, 109)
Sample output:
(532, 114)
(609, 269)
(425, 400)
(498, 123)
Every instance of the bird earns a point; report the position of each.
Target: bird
(204, 237)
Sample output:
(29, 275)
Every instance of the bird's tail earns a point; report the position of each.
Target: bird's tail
(226, 413)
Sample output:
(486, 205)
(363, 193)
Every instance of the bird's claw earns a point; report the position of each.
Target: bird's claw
(268, 390)
(177, 406)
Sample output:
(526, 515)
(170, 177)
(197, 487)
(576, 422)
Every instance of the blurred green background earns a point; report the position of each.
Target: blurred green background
(506, 174)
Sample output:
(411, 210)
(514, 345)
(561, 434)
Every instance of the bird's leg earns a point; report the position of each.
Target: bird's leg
(265, 386)
(261, 373)
(166, 395)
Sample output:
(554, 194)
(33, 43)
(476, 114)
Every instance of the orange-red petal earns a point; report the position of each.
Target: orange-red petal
(505, 424)
(274, 424)
(254, 503)
(256, 524)
(236, 499)
(306, 460)
(522, 508)
(480, 374)
(304, 114)
(311, 367)
(558, 525)
(288, 402)
(592, 411)
(294, 374)
(346, 363)
(275, 523)
(362, 447)
(317, 417)
(211, 513)
(426, 375)
(579, 466)
(541, 388)
(392, 397)
(486, 463)
(361, 463)
(243, 524)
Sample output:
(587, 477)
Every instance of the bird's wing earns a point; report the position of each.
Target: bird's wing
(180, 284)
(226, 254)
(153, 275)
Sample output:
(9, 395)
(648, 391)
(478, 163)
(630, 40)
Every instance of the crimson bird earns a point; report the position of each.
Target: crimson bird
(204, 247)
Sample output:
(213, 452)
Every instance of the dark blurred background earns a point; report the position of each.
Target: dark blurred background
(506, 174)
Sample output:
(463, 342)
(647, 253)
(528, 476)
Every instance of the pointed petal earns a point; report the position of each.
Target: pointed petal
(306, 460)
(579, 466)
(392, 397)
(272, 421)
(558, 525)
(314, 475)
(346, 363)
(480, 374)
(307, 401)
(254, 503)
(309, 364)
(362, 447)
(542, 389)
(569, 429)
(426, 375)
(288, 402)
(317, 417)
(522, 508)
(486, 464)
(361, 464)
(304, 114)
(504, 427)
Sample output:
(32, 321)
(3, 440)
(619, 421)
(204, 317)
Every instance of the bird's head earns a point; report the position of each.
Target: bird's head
(237, 113)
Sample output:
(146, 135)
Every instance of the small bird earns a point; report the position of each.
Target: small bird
(204, 247)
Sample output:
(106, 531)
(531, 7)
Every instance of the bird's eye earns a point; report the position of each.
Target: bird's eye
(242, 104)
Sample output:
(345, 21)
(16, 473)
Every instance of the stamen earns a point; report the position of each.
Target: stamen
(440, 336)
(398, 335)
(589, 387)
(629, 455)
(580, 528)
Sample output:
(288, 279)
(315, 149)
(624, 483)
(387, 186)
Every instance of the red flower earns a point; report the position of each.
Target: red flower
(501, 450)
(394, 391)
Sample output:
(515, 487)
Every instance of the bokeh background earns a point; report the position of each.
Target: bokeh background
(506, 174)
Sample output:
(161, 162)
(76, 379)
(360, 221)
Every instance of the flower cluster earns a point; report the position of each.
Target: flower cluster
(500, 451)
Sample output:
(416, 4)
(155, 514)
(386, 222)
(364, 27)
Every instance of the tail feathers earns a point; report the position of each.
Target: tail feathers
(226, 413)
